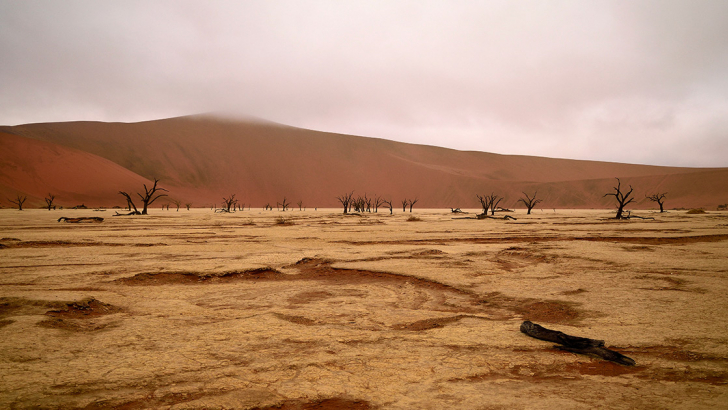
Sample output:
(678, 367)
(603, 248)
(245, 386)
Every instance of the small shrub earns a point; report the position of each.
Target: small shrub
(283, 221)
(696, 211)
(413, 219)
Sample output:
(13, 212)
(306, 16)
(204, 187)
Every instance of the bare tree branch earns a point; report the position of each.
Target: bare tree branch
(529, 201)
(19, 200)
(229, 202)
(412, 203)
(623, 199)
(49, 201)
(659, 198)
(345, 200)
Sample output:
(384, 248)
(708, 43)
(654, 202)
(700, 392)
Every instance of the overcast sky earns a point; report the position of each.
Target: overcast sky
(626, 81)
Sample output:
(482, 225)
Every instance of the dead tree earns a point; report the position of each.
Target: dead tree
(494, 204)
(229, 202)
(49, 201)
(345, 200)
(412, 204)
(489, 202)
(389, 204)
(129, 205)
(378, 201)
(659, 198)
(285, 204)
(300, 205)
(404, 204)
(623, 199)
(19, 200)
(484, 202)
(358, 204)
(150, 195)
(529, 201)
(188, 205)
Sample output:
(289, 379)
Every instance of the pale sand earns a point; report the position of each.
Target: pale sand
(386, 313)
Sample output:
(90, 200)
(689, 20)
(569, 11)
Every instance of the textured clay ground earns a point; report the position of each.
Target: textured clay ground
(197, 310)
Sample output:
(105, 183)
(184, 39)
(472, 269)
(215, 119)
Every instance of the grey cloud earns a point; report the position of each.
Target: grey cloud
(539, 78)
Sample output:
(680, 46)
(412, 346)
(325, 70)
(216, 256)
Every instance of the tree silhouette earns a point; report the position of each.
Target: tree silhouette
(659, 198)
(484, 202)
(285, 204)
(489, 202)
(623, 199)
(49, 201)
(19, 200)
(389, 204)
(147, 199)
(229, 202)
(378, 201)
(530, 202)
(345, 200)
(412, 203)
(130, 204)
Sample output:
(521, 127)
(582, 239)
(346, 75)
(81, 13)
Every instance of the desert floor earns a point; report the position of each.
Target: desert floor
(316, 309)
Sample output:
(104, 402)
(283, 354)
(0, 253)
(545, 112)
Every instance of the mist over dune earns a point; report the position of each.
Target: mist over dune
(202, 158)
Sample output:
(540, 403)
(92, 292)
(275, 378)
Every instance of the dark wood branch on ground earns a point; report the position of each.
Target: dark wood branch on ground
(629, 216)
(92, 219)
(486, 216)
(575, 344)
(127, 214)
(457, 211)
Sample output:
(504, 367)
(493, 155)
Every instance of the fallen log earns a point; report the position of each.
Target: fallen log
(575, 344)
(92, 219)
(130, 213)
(630, 216)
(486, 216)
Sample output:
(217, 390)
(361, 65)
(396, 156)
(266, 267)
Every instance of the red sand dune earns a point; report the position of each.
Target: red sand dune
(36, 168)
(200, 159)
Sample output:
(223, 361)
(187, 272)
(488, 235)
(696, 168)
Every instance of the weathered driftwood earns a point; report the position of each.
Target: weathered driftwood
(630, 216)
(575, 344)
(94, 219)
(127, 214)
(486, 216)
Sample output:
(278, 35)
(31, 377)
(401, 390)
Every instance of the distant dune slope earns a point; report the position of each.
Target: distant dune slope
(202, 158)
(36, 168)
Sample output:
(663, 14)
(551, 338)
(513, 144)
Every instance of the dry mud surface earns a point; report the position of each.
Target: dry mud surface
(197, 310)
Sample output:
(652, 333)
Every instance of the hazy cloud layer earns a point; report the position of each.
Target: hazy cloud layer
(627, 81)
